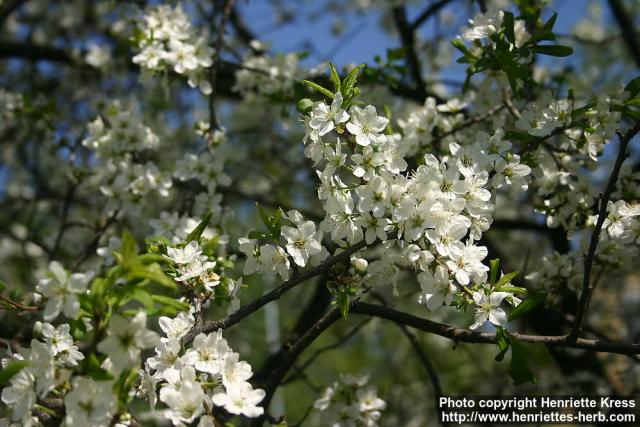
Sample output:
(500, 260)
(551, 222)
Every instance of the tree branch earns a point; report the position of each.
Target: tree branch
(587, 285)
(275, 294)
(428, 12)
(625, 22)
(428, 366)
(291, 354)
(467, 335)
(213, 70)
(408, 38)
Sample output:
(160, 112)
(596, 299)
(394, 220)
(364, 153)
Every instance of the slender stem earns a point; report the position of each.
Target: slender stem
(18, 305)
(428, 12)
(587, 285)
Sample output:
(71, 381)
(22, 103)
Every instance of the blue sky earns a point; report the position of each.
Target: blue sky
(363, 37)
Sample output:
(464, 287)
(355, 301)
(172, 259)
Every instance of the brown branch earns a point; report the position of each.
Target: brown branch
(587, 285)
(18, 305)
(625, 22)
(470, 122)
(467, 335)
(428, 12)
(329, 347)
(428, 366)
(291, 354)
(213, 71)
(275, 294)
(241, 29)
(408, 38)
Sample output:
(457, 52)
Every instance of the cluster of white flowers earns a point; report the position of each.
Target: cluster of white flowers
(269, 75)
(193, 380)
(176, 228)
(167, 40)
(193, 268)
(126, 180)
(437, 212)
(120, 131)
(118, 138)
(207, 168)
(301, 242)
(98, 55)
(483, 25)
(562, 273)
(349, 403)
(48, 364)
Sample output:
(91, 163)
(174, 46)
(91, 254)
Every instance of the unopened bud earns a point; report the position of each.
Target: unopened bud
(360, 264)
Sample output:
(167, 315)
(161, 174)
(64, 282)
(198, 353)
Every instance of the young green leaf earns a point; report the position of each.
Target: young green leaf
(553, 50)
(317, 87)
(11, 370)
(197, 232)
(129, 247)
(494, 270)
(335, 78)
(528, 305)
(505, 279)
(508, 24)
(304, 105)
(349, 82)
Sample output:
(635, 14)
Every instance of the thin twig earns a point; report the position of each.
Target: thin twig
(428, 12)
(18, 305)
(587, 285)
(329, 347)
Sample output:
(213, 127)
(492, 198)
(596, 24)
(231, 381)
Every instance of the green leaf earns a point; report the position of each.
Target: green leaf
(494, 270)
(92, 364)
(508, 24)
(343, 303)
(548, 26)
(514, 290)
(459, 44)
(633, 87)
(3, 286)
(271, 222)
(255, 234)
(544, 33)
(524, 356)
(318, 88)
(349, 82)
(528, 305)
(519, 368)
(505, 279)
(553, 50)
(171, 302)
(503, 343)
(197, 232)
(12, 369)
(152, 272)
(129, 247)
(335, 78)
(149, 258)
(305, 105)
